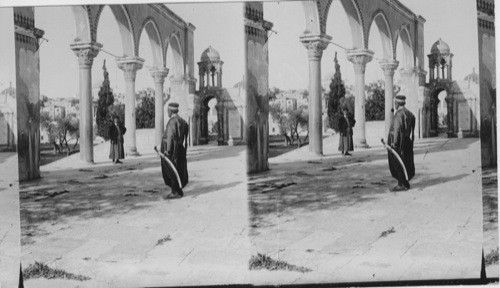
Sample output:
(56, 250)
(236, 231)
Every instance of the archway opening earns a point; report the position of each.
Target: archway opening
(442, 111)
(210, 126)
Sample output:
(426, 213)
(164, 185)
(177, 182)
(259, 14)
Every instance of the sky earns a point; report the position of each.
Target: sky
(59, 65)
(288, 64)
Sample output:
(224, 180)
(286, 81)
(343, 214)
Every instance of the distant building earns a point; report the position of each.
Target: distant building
(8, 119)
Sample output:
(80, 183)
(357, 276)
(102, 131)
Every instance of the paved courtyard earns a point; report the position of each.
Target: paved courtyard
(9, 221)
(336, 216)
(110, 223)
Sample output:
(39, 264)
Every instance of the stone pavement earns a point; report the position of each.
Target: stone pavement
(105, 221)
(336, 215)
(9, 221)
(490, 212)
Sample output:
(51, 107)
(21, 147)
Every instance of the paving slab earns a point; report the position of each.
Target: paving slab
(432, 231)
(117, 216)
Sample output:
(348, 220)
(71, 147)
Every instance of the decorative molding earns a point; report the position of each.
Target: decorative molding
(315, 45)
(159, 75)
(360, 58)
(389, 67)
(86, 52)
(130, 65)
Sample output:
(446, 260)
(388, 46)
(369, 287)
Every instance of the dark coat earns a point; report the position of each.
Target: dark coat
(114, 135)
(401, 137)
(344, 127)
(174, 145)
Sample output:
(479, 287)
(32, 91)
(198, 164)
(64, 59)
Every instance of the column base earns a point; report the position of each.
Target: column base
(132, 152)
(362, 145)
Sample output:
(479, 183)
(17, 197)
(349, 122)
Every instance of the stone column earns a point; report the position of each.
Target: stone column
(220, 123)
(86, 53)
(315, 47)
(451, 115)
(202, 79)
(130, 65)
(159, 76)
(389, 66)
(359, 58)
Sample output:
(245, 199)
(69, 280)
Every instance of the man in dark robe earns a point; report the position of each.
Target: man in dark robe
(346, 123)
(174, 145)
(115, 134)
(400, 138)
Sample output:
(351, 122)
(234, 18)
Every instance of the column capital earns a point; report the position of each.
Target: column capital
(359, 57)
(130, 65)
(315, 45)
(159, 74)
(389, 66)
(86, 52)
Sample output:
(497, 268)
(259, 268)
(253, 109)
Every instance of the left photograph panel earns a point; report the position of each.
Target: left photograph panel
(130, 141)
(9, 184)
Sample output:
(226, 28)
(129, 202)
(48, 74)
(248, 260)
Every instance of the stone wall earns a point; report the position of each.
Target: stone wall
(28, 92)
(257, 87)
(487, 76)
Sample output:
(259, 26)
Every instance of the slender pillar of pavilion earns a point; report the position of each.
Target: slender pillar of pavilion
(315, 46)
(130, 65)
(359, 58)
(159, 76)
(389, 66)
(86, 53)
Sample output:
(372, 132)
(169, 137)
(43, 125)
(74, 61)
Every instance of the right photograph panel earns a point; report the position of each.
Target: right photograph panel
(371, 134)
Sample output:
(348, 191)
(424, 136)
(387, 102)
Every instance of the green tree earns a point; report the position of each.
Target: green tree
(145, 112)
(106, 100)
(335, 97)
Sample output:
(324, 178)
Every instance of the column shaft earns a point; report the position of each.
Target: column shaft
(159, 76)
(86, 52)
(359, 58)
(389, 67)
(130, 65)
(315, 47)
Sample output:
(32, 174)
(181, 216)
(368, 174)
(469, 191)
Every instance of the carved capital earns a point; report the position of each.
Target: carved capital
(86, 52)
(359, 58)
(315, 45)
(159, 75)
(389, 67)
(130, 65)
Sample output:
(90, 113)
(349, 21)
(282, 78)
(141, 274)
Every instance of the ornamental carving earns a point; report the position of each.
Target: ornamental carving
(315, 48)
(86, 53)
(130, 67)
(359, 58)
(389, 67)
(159, 75)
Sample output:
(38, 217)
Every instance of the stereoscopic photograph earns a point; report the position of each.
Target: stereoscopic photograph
(130, 143)
(346, 142)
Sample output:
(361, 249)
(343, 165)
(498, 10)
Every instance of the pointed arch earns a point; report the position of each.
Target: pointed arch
(173, 45)
(380, 19)
(126, 29)
(151, 28)
(356, 23)
(82, 24)
(407, 58)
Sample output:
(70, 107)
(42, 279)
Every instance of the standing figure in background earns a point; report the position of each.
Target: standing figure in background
(400, 138)
(115, 134)
(346, 123)
(174, 146)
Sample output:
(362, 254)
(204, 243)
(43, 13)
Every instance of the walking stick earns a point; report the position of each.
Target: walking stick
(164, 157)
(391, 150)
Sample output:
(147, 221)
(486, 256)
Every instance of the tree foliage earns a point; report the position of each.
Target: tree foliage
(145, 111)
(106, 100)
(289, 121)
(60, 130)
(375, 102)
(335, 97)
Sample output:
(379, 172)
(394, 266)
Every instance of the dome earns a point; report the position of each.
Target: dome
(210, 55)
(440, 47)
(473, 77)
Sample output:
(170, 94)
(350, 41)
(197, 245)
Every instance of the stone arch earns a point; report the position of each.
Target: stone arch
(177, 70)
(312, 17)
(408, 57)
(356, 24)
(126, 29)
(434, 102)
(380, 19)
(82, 24)
(151, 28)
